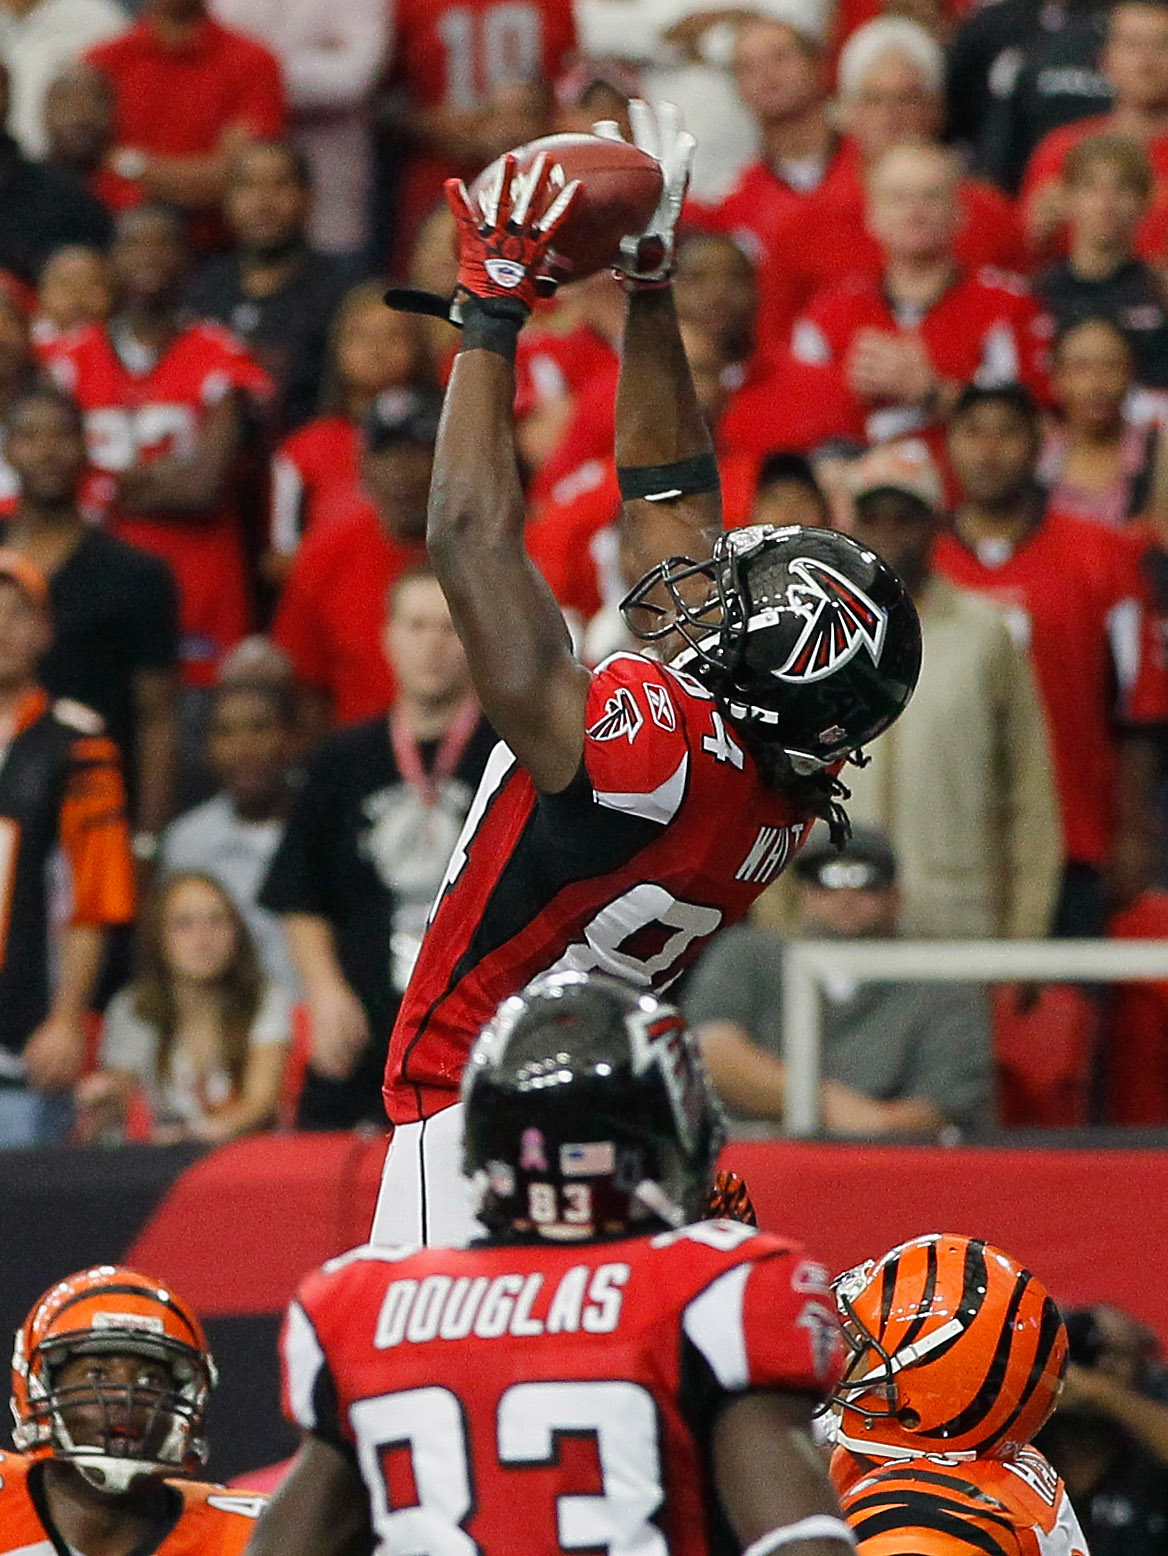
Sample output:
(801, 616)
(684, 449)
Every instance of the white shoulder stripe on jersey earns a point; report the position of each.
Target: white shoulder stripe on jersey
(713, 1322)
(365, 1253)
(303, 1360)
(661, 805)
(38, 1548)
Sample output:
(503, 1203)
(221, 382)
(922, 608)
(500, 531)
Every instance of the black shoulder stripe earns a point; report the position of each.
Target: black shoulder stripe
(925, 1507)
(933, 1517)
(968, 1488)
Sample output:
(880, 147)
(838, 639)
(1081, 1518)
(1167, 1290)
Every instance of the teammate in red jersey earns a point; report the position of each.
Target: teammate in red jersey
(600, 1373)
(957, 1361)
(634, 810)
(164, 414)
(110, 1378)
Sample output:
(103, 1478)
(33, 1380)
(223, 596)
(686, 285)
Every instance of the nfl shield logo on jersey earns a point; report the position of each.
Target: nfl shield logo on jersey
(839, 619)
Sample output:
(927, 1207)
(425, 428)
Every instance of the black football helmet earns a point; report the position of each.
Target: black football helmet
(588, 1114)
(807, 639)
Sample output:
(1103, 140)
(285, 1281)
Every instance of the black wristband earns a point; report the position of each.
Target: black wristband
(492, 324)
(663, 483)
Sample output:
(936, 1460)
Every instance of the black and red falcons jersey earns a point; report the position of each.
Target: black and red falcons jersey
(667, 835)
(571, 1387)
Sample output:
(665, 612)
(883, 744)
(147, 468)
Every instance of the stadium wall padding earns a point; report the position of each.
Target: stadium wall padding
(234, 1229)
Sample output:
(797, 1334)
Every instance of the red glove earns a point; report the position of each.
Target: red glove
(503, 245)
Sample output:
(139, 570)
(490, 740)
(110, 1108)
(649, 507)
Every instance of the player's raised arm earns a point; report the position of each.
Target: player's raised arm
(517, 646)
(664, 454)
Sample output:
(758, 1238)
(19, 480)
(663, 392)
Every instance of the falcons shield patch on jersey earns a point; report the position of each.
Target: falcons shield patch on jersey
(621, 717)
(838, 621)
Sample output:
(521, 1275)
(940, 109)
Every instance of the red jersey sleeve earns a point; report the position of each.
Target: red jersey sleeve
(298, 628)
(768, 1322)
(1138, 636)
(261, 104)
(229, 365)
(636, 747)
(315, 1318)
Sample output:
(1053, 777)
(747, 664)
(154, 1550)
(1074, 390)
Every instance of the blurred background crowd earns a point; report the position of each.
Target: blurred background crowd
(922, 289)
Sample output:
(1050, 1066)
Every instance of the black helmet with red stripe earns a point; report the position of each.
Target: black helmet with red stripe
(808, 640)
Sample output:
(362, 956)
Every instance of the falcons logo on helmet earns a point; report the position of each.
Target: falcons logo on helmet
(838, 621)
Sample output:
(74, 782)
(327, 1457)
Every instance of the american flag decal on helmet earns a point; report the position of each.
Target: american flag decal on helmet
(839, 620)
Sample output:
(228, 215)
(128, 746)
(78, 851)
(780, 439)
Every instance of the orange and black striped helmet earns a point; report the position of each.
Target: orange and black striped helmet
(956, 1349)
(112, 1311)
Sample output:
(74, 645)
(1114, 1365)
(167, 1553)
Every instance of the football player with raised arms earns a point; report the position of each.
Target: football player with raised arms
(632, 811)
(957, 1358)
(110, 1378)
(603, 1371)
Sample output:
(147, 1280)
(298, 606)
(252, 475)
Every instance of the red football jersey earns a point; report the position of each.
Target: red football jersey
(314, 471)
(208, 1520)
(986, 328)
(458, 57)
(667, 835)
(571, 1387)
(1074, 594)
(990, 235)
(758, 212)
(332, 610)
(143, 412)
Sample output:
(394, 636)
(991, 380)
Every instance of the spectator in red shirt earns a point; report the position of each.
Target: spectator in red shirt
(330, 616)
(1135, 62)
(165, 403)
(1074, 595)
(316, 471)
(902, 346)
(189, 94)
(780, 75)
(891, 82)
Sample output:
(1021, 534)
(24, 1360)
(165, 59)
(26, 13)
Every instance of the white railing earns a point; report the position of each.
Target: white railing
(807, 963)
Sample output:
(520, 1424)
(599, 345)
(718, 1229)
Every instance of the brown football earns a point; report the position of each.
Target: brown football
(621, 186)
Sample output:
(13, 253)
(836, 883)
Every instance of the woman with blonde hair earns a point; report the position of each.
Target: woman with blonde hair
(199, 1032)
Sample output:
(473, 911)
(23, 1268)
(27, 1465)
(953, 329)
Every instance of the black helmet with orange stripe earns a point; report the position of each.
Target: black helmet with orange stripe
(956, 1349)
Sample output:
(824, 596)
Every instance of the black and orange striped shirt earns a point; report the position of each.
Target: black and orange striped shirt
(1015, 1506)
(61, 799)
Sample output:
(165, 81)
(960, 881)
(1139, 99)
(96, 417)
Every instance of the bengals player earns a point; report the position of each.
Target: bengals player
(604, 1371)
(110, 1378)
(957, 1359)
(634, 810)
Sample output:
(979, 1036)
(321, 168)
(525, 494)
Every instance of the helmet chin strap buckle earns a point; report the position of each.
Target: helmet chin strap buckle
(114, 1477)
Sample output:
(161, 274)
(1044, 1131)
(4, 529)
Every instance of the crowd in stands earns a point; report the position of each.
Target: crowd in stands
(922, 282)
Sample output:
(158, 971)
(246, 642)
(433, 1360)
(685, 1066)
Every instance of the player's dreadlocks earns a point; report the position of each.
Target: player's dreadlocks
(821, 793)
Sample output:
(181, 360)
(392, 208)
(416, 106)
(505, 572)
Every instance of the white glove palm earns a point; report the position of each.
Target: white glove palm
(648, 257)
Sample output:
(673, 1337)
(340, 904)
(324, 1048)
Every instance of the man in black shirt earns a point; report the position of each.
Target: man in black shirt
(1051, 77)
(41, 207)
(115, 608)
(273, 290)
(366, 847)
(1108, 184)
